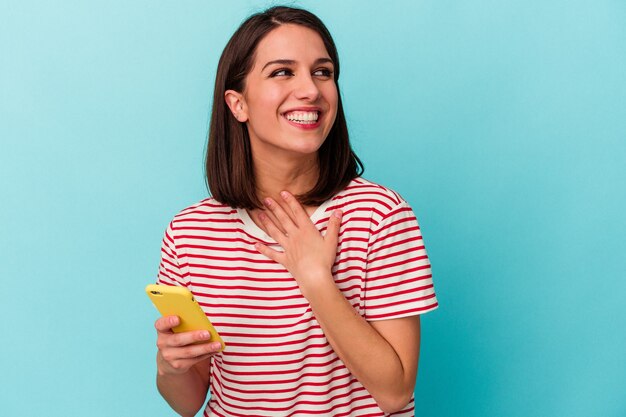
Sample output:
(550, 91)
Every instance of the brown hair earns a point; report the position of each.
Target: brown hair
(229, 170)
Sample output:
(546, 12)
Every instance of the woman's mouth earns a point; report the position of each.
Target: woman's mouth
(302, 117)
(304, 120)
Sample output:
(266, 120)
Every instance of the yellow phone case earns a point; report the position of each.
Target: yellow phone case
(179, 301)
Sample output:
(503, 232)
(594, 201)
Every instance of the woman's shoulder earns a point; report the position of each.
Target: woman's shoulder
(363, 194)
(204, 209)
(363, 190)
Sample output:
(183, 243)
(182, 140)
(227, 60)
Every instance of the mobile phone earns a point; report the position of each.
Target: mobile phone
(179, 301)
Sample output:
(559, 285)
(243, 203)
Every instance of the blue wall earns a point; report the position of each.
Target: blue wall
(502, 122)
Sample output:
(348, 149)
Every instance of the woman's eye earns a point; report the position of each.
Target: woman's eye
(324, 72)
(281, 73)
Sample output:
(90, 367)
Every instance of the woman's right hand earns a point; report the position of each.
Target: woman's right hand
(179, 352)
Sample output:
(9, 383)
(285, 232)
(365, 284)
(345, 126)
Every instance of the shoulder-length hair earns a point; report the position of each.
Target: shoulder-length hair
(229, 167)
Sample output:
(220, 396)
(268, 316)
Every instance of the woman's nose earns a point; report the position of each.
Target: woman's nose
(306, 88)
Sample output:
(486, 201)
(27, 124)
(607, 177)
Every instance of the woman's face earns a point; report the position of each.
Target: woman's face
(290, 98)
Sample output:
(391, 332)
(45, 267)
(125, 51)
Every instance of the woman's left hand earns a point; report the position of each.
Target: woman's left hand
(307, 255)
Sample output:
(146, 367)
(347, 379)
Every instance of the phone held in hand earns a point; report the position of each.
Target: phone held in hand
(179, 301)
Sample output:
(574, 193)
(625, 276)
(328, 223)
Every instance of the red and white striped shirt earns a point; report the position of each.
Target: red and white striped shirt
(277, 360)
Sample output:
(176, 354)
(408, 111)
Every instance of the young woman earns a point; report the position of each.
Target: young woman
(314, 277)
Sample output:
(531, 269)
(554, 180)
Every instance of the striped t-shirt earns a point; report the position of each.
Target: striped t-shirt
(277, 360)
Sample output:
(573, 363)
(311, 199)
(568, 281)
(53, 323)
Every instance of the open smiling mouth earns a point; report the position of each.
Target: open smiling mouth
(303, 117)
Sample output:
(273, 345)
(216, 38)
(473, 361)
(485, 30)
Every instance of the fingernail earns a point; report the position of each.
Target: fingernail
(216, 345)
(205, 335)
(174, 320)
(267, 202)
(337, 214)
(284, 194)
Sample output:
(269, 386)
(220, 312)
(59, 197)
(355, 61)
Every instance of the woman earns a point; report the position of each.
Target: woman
(314, 277)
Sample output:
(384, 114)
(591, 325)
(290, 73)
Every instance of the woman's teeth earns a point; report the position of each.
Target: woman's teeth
(302, 117)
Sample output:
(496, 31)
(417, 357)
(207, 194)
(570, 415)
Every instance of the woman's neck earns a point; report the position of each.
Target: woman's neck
(296, 176)
(273, 176)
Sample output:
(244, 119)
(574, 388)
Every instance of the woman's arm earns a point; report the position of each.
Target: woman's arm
(183, 367)
(382, 355)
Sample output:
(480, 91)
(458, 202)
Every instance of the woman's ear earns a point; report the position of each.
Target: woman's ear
(237, 105)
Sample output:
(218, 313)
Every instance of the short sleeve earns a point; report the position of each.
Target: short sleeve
(170, 272)
(398, 280)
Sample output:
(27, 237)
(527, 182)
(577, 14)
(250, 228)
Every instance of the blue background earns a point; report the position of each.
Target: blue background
(503, 123)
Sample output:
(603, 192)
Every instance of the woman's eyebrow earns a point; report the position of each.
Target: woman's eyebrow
(292, 62)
